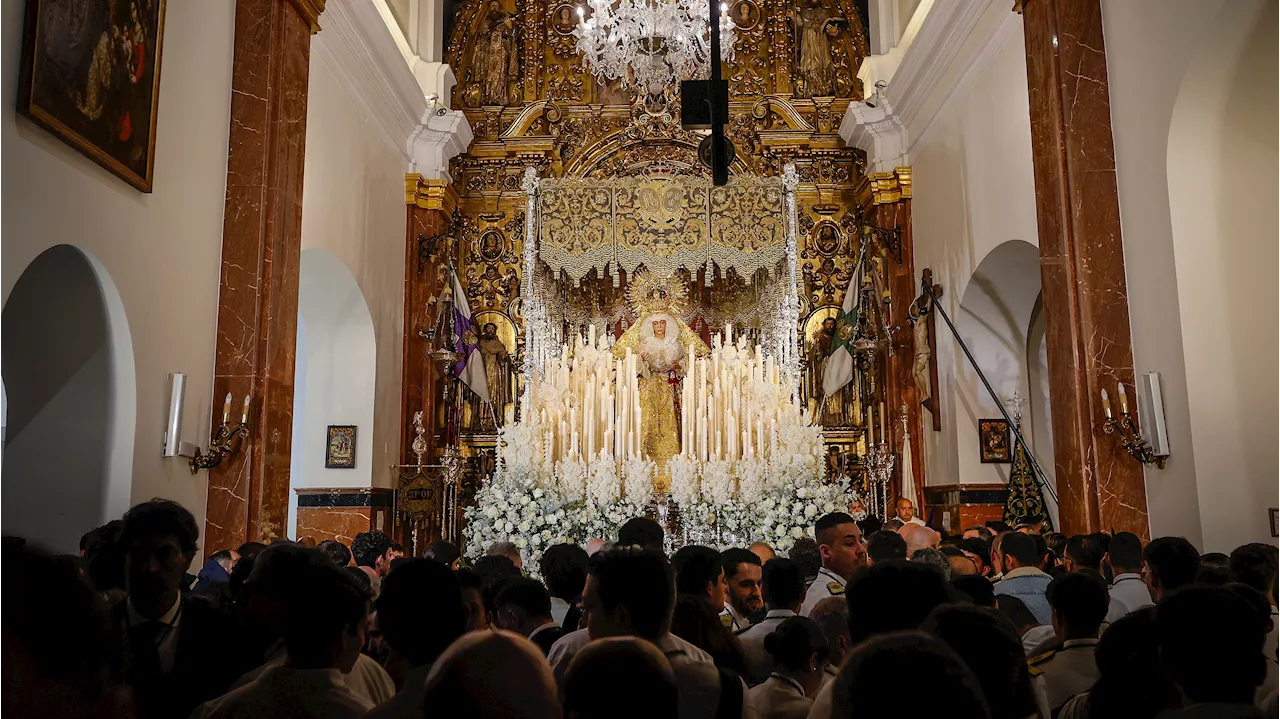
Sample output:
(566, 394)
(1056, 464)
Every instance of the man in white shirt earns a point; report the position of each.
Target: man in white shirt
(843, 551)
(783, 593)
(631, 592)
(1078, 604)
(1128, 592)
(907, 513)
(743, 598)
(323, 634)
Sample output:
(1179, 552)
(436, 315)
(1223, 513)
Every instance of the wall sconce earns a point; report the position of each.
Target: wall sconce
(225, 442)
(1124, 426)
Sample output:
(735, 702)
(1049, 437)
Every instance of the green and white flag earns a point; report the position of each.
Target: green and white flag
(840, 364)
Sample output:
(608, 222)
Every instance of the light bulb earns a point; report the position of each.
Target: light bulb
(581, 12)
(724, 7)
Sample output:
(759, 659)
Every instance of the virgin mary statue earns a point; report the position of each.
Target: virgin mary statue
(661, 340)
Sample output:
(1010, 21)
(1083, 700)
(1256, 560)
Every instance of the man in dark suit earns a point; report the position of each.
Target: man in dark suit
(177, 646)
(523, 606)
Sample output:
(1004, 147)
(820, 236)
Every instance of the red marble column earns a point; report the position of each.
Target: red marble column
(1081, 263)
(261, 240)
(428, 250)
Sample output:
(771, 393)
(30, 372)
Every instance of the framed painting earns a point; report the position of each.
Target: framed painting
(340, 448)
(91, 76)
(993, 441)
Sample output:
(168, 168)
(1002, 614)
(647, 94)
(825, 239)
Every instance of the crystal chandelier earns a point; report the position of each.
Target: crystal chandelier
(650, 44)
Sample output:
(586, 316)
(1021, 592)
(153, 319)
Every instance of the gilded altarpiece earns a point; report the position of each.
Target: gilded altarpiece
(562, 123)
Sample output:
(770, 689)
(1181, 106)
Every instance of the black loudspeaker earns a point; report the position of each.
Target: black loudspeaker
(726, 156)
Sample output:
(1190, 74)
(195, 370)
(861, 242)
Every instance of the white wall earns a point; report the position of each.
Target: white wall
(162, 250)
(355, 211)
(1197, 184)
(973, 191)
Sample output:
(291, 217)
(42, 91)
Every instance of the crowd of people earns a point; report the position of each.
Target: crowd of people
(862, 619)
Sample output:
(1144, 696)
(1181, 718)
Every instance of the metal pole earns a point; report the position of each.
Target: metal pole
(1017, 432)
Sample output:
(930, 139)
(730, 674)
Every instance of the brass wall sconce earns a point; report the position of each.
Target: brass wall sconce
(1130, 438)
(226, 442)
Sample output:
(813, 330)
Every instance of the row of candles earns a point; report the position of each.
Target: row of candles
(226, 410)
(584, 410)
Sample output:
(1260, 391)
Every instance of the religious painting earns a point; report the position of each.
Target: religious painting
(565, 20)
(340, 449)
(826, 239)
(91, 77)
(491, 245)
(993, 441)
(745, 14)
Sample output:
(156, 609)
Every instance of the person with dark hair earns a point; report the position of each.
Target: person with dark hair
(743, 599)
(1213, 569)
(784, 592)
(176, 649)
(1083, 552)
(832, 615)
(1128, 592)
(979, 552)
(336, 551)
(372, 552)
(1037, 638)
(495, 572)
(799, 651)
(843, 551)
(630, 592)
(445, 553)
(988, 644)
(420, 613)
(807, 556)
(1210, 646)
(523, 606)
(976, 588)
(884, 545)
(103, 562)
(473, 600)
(564, 571)
(1257, 565)
(641, 532)
(977, 532)
(880, 673)
(1046, 560)
(698, 573)
(271, 595)
(870, 525)
(620, 678)
(214, 578)
(324, 630)
(1130, 682)
(1167, 564)
(891, 596)
(59, 651)
(1078, 601)
(1022, 577)
(696, 622)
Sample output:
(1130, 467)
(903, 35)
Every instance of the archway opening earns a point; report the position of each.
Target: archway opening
(70, 400)
(1001, 319)
(334, 374)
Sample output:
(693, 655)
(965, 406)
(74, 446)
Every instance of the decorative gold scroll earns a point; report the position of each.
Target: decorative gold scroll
(663, 221)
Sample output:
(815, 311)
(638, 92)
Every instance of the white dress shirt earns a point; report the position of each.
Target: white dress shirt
(913, 520)
(1128, 594)
(286, 693)
(559, 608)
(759, 662)
(827, 584)
(737, 622)
(166, 636)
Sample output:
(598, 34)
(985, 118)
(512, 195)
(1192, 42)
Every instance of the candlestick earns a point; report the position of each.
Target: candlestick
(1124, 400)
(226, 409)
(1106, 404)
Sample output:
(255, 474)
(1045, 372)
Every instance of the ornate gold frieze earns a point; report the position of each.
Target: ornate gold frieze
(889, 187)
(430, 194)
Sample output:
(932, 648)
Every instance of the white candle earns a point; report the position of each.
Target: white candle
(226, 409)
(1106, 404)
(244, 413)
(1124, 400)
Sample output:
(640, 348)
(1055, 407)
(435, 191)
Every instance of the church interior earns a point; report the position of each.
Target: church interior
(516, 272)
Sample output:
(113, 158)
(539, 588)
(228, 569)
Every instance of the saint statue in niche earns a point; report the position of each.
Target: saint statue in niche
(494, 57)
(497, 370)
(815, 24)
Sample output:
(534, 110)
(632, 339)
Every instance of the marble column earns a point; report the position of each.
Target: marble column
(261, 240)
(428, 250)
(891, 208)
(1100, 486)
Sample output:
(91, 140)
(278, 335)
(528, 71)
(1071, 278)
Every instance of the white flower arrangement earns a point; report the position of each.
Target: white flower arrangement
(684, 479)
(603, 487)
(571, 478)
(717, 482)
(638, 473)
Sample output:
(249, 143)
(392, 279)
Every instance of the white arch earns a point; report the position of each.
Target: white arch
(1221, 168)
(71, 399)
(335, 374)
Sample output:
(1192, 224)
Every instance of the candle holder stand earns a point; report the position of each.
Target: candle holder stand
(226, 442)
(879, 463)
(1131, 440)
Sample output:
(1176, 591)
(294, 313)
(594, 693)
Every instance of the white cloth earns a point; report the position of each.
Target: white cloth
(1038, 639)
(823, 702)
(760, 662)
(1128, 594)
(367, 679)
(167, 637)
(913, 520)
(737, 622)
(543, 628)
(826, 584)
(780, 698)
(697, 679)
(407, 703)
(286, 693)
(559, 608)
(563, 652)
